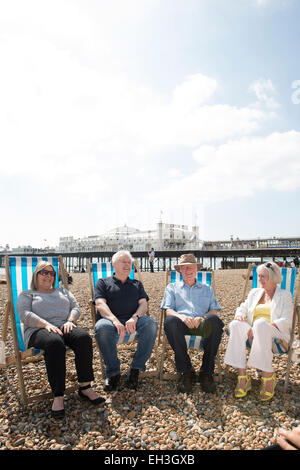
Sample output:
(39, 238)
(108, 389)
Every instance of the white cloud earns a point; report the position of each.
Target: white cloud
(64, 107)
(77, 120)
(265, 92)
(78, 130)
(196, 90)
(238, 168)
(174, 173)
(186, 119)
(92, 137)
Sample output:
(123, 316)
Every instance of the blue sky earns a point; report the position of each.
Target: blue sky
(117, 112)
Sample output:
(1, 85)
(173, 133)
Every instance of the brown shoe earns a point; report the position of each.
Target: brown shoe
(132, 380)
(186, 381)
(207, 382)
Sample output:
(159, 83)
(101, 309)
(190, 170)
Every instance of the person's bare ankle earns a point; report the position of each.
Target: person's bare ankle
(58, 403)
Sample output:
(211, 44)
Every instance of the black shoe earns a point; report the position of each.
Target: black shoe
(58, 414)
(96, 401)
(111, 383)
(186, 381)
(207, 382)
(132, 380)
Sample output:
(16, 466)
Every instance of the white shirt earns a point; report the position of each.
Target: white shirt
(281, 309)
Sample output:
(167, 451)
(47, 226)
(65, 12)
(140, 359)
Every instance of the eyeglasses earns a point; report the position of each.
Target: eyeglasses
(46, 272)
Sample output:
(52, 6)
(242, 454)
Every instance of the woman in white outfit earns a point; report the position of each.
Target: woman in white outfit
(266, 314)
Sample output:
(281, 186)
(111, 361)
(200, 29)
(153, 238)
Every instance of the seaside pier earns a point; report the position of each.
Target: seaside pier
(210, 258)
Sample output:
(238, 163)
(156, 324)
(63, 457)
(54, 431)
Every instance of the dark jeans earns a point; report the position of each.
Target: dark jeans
(211, 329)
(54, 347)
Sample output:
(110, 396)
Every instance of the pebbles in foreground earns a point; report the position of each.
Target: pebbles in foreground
(155, 417)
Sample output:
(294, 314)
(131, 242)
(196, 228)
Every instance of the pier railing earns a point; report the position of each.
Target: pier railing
(166, 259)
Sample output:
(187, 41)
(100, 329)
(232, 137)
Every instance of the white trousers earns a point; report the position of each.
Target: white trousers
(261, 355)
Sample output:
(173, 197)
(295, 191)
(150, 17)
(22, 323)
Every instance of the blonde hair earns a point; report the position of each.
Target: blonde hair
(273, 271)
(39, 267)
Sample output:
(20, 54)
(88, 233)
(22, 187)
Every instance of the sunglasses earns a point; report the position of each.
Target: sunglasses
(46, 272)
(269, 266)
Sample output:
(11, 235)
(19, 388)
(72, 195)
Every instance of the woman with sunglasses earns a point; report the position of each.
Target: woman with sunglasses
(49, 315)
(266, 314)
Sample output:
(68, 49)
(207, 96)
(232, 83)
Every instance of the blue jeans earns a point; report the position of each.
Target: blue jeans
(107, 337)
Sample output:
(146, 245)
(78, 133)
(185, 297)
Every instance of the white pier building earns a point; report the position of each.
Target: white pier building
(164, 237)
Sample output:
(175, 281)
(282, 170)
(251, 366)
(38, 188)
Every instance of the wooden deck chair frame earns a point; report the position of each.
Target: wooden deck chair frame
(206, 277)
(291, 278)
(96, 271)
(21, 355)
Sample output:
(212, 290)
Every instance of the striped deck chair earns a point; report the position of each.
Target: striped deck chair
(290, 281)
(102, 271)
(18, 275)
(193, 342)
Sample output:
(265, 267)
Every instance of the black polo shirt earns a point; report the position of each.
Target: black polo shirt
(121, 298)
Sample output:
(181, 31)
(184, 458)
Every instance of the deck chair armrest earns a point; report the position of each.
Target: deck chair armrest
(162, 315)
(147, 311)
(2, 353)
(5, 321)
(93, 312)
(24, 355)
(27, 353)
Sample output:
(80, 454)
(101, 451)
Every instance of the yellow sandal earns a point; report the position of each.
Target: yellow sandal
(263, 391)
(242, 392)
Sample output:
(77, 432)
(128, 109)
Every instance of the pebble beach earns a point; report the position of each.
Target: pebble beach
(155, 417)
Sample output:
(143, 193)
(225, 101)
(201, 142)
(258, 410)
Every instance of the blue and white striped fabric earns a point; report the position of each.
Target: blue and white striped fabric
(20, 272)
(205, 277)
(102, 271)
(288, 279)
(128, 338)
(278, 347)
(194, 342)
(288, 282)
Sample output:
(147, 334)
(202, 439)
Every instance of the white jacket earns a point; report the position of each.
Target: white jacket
(281, 309)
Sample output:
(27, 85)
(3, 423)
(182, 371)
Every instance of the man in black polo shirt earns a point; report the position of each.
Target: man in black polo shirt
(121, 305)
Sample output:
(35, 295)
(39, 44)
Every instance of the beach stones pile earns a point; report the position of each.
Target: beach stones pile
(156, 416)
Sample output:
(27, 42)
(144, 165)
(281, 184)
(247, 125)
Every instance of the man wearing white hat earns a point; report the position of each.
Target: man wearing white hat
(191, 308)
